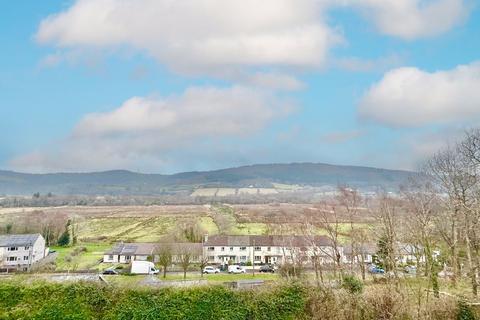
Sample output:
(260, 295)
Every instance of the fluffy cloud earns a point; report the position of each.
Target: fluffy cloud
(412, 97)
(410, 19)
(146, 132)
(209, 36)
(274, 81)
(198, 35)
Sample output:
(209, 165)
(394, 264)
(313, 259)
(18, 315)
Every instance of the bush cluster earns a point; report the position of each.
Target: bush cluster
(285, 301)
(91, 301)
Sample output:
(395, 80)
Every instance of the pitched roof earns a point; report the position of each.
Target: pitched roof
(17, 240)
(145, 249)
(130, 249)
(266, 241)
(367, 248)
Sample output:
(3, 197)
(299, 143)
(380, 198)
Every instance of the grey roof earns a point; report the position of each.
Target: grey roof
(146, 249)
(130, 249)
(366, 248)
(17, 240)
(266, 241)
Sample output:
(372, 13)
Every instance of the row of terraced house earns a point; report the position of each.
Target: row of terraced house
(257, 249)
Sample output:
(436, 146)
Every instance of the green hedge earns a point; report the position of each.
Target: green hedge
(90, 301)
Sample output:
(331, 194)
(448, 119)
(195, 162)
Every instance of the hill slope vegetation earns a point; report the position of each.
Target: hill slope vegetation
(121, 182)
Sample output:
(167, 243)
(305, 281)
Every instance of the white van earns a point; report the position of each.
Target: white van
(143, 267)
(236, 269)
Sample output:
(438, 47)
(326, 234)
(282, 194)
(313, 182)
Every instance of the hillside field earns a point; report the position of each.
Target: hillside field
(97, 228)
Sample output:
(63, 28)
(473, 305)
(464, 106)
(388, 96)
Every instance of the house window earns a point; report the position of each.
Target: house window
(27, 248)
(25, 257)
(12, 249)
(110, 257)
(243, 248)
(231, 248)
(211, 258)
(128, 257)
(223, 249)
(269, 249)
(258, 258)
(258, 248)
(11, 258)
(211, 248)
(243, 258)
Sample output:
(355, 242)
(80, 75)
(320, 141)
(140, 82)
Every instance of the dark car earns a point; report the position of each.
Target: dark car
(267, 268)
(109, 271)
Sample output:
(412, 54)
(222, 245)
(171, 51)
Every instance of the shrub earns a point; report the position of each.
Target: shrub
(352, 284)
(64, 239)
(290, 270)
(464, 311)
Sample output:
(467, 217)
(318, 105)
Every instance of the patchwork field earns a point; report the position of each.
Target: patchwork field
(98, 227)
(105, 224)
(224, 192)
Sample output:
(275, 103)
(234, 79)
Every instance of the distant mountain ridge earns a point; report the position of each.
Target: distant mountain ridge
(122, 182)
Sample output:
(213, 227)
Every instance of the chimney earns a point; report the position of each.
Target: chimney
(205, 238)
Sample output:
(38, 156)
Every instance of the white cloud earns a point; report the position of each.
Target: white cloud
(276, 81)
(412, 97)
(411, 19)
(218, 37)
(146, 132)
(198, 35)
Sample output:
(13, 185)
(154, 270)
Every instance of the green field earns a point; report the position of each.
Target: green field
(89, 259)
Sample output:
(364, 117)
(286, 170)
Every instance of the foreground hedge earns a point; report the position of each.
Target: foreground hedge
(90, 301)
(288, 301)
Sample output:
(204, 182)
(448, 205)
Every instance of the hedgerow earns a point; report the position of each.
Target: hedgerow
(90, 301)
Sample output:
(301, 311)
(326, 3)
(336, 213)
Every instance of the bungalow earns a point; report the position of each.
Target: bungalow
(409, 253)
(365, 252)
(21, 251)
(128, 252)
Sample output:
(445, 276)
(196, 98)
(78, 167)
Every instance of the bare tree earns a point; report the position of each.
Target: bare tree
(422, 207)
(329, 221)
(469, 148)
(203, 262)
(309, 233)
(388, 222)
(184, 258)
(445, 167)
(456, 169)
(351, 200)
(164, 251)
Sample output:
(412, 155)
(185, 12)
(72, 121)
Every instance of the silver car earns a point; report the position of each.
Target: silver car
(210, 270)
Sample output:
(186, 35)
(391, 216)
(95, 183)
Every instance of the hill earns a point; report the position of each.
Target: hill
(121, 182)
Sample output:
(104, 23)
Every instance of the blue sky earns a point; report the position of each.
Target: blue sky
(154, 87)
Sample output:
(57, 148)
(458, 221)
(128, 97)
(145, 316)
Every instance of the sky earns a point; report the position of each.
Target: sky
(162, 86)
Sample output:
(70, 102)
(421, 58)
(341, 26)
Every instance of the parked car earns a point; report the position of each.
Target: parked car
(267, 268)
(210, 269)
(376, 270)
(110, 271)
(236, 269)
